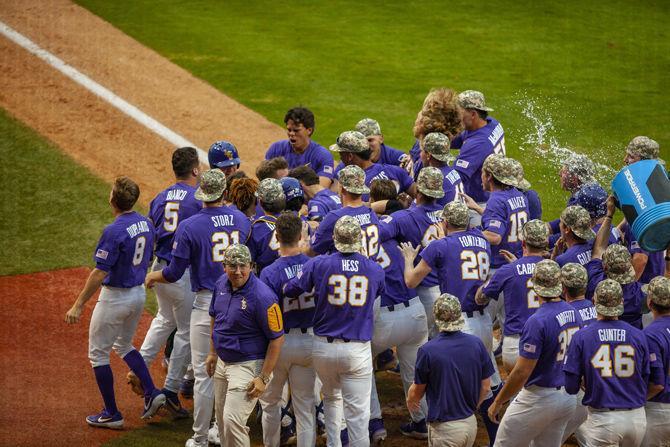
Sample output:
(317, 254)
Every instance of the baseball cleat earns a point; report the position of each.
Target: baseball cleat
(213, 434)
(191, 442)
(153, 403)
(415, 430)
(186, 388)
(174, 406)
(106, 420)
(377, 431)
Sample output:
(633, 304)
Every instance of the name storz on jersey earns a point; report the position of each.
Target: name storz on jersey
(223, 220)
(137, 228)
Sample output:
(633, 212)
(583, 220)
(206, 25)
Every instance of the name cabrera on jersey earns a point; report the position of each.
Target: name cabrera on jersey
(322, 241)
(345, 286)
(124, 250)
(505, 214)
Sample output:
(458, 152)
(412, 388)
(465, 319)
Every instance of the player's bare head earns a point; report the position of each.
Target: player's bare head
(212, 186)
(641, 148)
(185, 162)
(125, 193)
(547, 279)
(242, 194)
(658, 294)
(576, 221)
(347, 235)
(383, 189)
(574, 279)
(352, 180)
(440, 113)
(237, 264)
(271, 195)
(305, 175)
(618, 265)
(288, 228)
(448, 314)
(273, 168)
(456, 215)
(577, 170)
(535, 234)
(608, 298)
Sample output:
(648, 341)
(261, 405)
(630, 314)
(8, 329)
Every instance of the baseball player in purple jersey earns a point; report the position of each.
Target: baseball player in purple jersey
(295, 360)
(346, 285)
(593, 198)
(658, 337)
(453, 370)
(381, 153)
(514, 282)
(200, 244)
(542, 409)
(223, 155)
(122, 258)
(576, 237)
(647, 265)
(354, 149)
(262, 242)
(532, 198)
(610, 359)
(435, 153)
(320, 200)
(175, 301)
(299, 149)
(352, 187)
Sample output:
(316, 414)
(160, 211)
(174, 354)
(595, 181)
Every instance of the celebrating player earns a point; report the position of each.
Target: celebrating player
(576, 237)
(435, 153)
(263, 241)
(223, 155)
(320, 200)
(381, 153)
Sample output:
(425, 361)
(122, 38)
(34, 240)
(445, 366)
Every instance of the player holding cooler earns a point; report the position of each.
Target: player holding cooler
(200, 244)
(541, 410)
(347, 285)
(453, 371)
(611, 359)
(122, 257)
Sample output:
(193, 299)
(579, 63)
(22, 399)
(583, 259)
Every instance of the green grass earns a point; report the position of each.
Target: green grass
(599, 71)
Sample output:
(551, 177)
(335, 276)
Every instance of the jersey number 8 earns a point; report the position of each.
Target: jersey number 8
(353, 290)
(138, 255)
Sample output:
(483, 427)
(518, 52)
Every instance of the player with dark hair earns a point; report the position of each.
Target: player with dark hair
(295, 197)
(320, 200)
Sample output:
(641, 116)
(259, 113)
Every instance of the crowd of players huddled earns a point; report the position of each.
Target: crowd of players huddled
(466, 269)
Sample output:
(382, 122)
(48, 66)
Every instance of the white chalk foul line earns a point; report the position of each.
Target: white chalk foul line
(104, 93)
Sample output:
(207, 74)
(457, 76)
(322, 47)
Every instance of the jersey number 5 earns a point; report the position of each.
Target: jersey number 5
(353, 290)
(171, 216)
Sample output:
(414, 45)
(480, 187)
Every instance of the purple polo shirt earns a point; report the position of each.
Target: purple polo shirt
(315, 156)
(515, 282)
(452, 365)
(345, 288)
(586, 309)
(613, 359)
(262, 242)
(322, 241)
(545, 338)
(167, 210)
(124, 250)
(245, 320)
(505, 214)
(655, 262)
(578, 253)
(658, 339)
(322, 203)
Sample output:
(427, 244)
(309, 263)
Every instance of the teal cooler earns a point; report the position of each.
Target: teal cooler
(643, 192)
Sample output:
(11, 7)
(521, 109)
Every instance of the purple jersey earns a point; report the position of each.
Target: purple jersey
(391, 260)
(515, 282)
(633, 296)
(345, 288)
(475, 146)
(452, 366)
(613, 358)
(418, 225)
(461, 261)
(534, 204)
(322, 203)
(124, 250)
(170, 207)
(655, 261)
(390, 156)
(658, 339)
(452, 185)
(262, 242)
(586, 309)
(245, 320)
(578, 253)
(202, 239)
(315, 156)
(322, 241)
(298, 312)
(615, 235)
(545, 338)
(415, 153)
(396, 174)
(505, 214)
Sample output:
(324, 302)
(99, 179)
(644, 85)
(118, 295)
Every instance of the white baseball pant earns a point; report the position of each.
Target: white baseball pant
(510, 351)
(536, 417)
(658, 425)
(458, 433)
(295, 366)
(428, 296)
(175, 302)
(479, 324)
(345, 370)
(625, 428)
(203, 388)
(114, 322)
(405, 328)
(575, 424)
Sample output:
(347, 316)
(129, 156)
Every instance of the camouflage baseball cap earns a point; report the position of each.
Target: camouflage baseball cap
(609, 298)
(578, 220)
(581, 167)
(643, 147)
(456, 214)
(593, 198)
(368, 127)
(352, 179)
(500, 167)
(270, 190)
(431, 182)
(212, 185)
(658, 291)
(237, 254)
(347, 235)
(472, 99)
(618, 264)
(350, 141)
(574, 275)
(437, 145)
(535, 233)
(521, 182)
(547, 279)
(448, 314)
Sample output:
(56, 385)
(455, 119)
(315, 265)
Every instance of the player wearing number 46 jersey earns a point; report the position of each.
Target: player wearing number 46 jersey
(346, 286)
(200, 243)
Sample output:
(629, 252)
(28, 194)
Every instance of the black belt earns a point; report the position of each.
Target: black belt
(332, 339)
(302, 329)
(620, 409)
(470, 314)
(392, 307)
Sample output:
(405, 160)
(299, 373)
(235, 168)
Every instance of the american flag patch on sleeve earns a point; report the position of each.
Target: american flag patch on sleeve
(529, 348)
(652, 357)
(462, 163)
(102, 254)
(328, 169)
(494, 223)
(314, 209)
